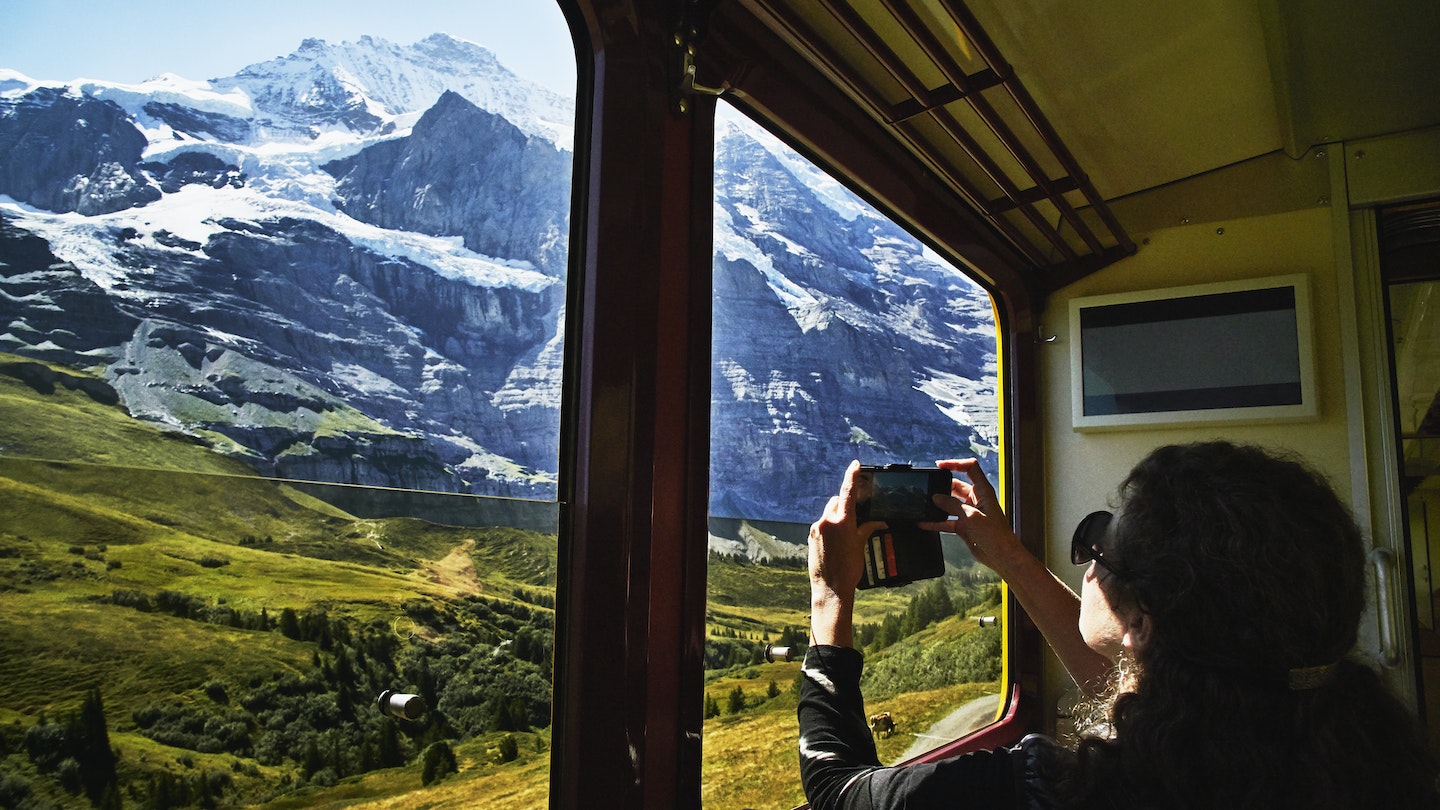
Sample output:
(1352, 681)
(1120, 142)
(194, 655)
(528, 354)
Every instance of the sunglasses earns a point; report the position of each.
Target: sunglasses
(1088, 542)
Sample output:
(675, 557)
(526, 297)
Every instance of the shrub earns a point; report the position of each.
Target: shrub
(13, 790)
(131, 599)
(438, 762)
(181, 605)
(215, 690)
(509, 748)
(973, 658)
(45, 743)
(179, 726)
(69, 776)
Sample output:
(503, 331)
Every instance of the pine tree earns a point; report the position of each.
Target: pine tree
(164, 792)
(889, 632)
(313, 760)
(290, 623)
(97, 761)
(736, 701)
(945, 608)
(390, 754)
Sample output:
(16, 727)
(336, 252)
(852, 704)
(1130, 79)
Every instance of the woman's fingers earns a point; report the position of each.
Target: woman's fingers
(836, 542)
(978, 492)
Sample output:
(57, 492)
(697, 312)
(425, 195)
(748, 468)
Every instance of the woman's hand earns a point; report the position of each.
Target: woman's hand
(979, 520)
(1054, 608)
(837, 562)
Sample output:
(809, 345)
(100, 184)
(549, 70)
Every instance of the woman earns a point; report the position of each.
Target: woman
(1228, 585)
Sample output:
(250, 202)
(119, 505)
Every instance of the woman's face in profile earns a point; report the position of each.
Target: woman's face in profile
(1105, 627)
(1102, 627)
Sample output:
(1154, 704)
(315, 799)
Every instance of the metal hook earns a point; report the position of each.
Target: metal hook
(687, 77)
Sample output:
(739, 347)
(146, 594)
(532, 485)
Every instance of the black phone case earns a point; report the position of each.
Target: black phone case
(895, 557)
(903, 553)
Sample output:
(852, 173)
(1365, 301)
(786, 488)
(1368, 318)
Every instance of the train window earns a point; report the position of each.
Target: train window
(837, 335)
(280, 361)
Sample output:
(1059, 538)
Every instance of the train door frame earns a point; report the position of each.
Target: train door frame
(631, 591)
(1364, 176)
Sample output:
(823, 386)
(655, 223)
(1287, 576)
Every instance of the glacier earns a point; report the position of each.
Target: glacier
(258, 263)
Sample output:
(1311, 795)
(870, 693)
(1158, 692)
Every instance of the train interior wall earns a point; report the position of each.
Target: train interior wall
(1271, 216)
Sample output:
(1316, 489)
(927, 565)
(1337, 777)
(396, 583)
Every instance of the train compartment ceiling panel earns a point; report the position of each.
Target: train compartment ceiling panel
(1038, 114)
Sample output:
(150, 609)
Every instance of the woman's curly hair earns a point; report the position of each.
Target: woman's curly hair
(1248, 567)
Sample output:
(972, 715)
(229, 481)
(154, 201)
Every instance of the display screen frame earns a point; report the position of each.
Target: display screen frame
(1235, 352)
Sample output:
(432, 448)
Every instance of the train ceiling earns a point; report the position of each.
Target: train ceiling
(1046, 116)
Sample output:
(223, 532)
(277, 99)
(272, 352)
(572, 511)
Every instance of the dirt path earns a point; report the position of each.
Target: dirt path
(968, 717)
(456, 570)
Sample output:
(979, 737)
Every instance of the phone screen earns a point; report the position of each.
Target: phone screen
(902, 496)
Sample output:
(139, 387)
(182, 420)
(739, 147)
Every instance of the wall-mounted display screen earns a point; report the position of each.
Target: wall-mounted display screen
(1234, 351)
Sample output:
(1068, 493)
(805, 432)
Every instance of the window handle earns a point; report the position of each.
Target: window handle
(1385, 584)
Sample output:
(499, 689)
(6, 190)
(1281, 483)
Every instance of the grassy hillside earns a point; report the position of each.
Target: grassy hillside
(238, 630)
(939, 659)
(750, 757)
(233, 633)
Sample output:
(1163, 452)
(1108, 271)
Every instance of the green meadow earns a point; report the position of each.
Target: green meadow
(175, 631)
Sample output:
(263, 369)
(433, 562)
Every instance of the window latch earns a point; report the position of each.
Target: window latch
(688, 86)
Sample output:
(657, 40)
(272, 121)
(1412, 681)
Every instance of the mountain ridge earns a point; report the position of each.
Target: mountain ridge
(325, 282)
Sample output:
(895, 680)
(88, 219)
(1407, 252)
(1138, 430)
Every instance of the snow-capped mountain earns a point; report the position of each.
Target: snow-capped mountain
(837, 336)
(347, 265)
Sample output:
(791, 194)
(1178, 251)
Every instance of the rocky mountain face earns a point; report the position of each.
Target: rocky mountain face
(836, 338)
(469, 172)
(347, 265)
(67, 154)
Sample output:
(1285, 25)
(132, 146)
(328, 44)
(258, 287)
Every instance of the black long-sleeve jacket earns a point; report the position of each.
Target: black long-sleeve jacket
(841, 771)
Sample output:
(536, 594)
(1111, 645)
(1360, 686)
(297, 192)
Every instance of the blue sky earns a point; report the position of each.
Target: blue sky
(132, 40)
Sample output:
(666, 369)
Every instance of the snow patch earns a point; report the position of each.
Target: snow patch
(973, 403)
(731, 122)
(194, 212)
(736, 247)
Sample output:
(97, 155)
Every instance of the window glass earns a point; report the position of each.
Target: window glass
(1414, 339)
(837, 336)
(280, 361)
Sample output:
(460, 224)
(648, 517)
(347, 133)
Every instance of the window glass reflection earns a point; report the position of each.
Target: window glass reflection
(837, 336)
(280, 359)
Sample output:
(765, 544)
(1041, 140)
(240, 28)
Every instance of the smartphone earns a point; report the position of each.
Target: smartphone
(903, 497)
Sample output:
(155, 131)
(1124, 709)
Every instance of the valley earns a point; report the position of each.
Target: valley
(282, 357)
